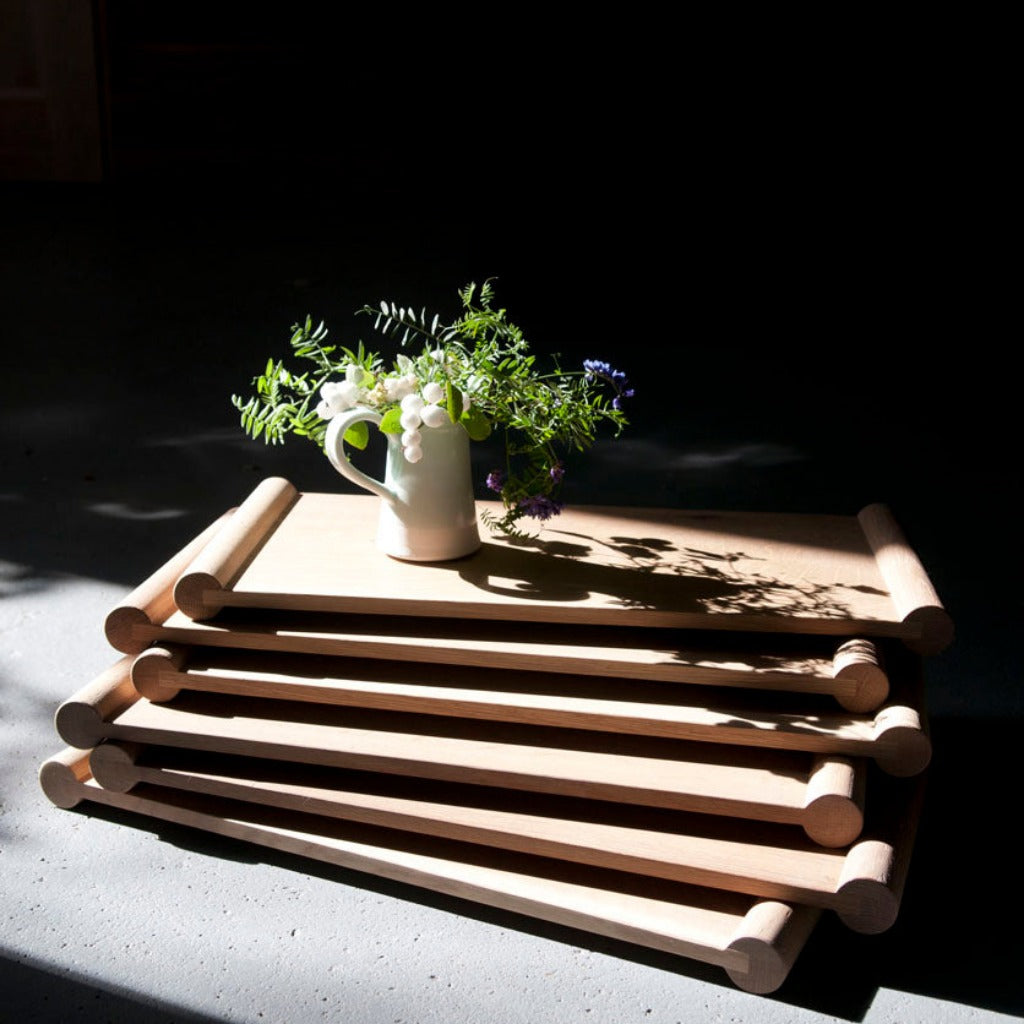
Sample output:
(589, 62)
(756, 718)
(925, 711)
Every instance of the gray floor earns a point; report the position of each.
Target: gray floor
(128, 319)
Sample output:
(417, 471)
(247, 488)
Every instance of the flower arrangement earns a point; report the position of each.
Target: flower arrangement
(476, 371)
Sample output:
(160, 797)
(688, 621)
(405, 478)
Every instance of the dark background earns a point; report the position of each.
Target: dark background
(788, 248)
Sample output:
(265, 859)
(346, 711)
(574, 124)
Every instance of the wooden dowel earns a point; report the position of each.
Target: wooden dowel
(772, 934)
(80, 720)
(753, 940)
(901, 742)
(912, 593)
(63, 775)
(851, 675)
(765, 860)
(763, 789)
(867, 900)
(152, 602)
(857, 665)
(156, 670)
(197, 591)
(894, 736)
(113, 765)
(834, 806)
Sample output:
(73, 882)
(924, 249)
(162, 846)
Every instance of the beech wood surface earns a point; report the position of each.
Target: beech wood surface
(755, 941)
(852, 672)
(894, 736)
(153, 599)
(567, 763)
(605, 566)
(822, 794)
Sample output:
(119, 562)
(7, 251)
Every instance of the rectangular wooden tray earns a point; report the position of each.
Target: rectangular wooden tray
(822, 794)
(756, 941)
(894, 736)
(852, 672)
(862, 883)
(828, 575)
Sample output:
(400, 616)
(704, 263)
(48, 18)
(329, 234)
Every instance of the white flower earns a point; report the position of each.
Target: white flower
(433, 416)
(354, 373)
(412, 403)
(337, 396)
(349, 393)
(411, 437)
(405, 364)
(410, 420)
(433, 392)
(413, 453)
(397, 388)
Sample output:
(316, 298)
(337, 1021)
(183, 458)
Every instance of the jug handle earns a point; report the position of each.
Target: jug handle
(334, 448)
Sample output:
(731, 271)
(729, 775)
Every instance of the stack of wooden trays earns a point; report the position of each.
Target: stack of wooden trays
(691, 731)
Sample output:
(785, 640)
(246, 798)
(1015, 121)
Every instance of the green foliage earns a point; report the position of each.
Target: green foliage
(488, 379)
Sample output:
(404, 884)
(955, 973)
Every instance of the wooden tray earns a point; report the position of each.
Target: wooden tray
(894, 736)
(852, 672)
(755, 941)
(863, 883)
(833, 575)
(824, 794)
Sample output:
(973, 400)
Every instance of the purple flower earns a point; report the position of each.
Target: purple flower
(556, 472)
(496, 480)
(538, 506)
(596, 368)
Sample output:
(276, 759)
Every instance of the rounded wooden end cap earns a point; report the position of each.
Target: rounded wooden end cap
(120, 629)
(61, 778)
(833, 820)
(150, 671)
(864, 683)
(112, 766)
(762, 939)
(866, 902)
(933, 628)
(196, 595)
(902, 747)
(78, 724)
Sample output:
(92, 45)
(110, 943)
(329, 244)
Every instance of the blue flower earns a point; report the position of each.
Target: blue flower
(598, 369)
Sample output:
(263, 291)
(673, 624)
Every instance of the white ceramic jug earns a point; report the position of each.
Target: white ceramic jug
(427, 513)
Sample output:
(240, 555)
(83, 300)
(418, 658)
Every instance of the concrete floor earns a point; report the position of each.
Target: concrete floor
(127, 320)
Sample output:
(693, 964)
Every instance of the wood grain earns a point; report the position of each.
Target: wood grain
(152, 600)
(563, 763)
(811, 574)
(755, 941)
(217, 564)
(894, 736)
(852, 672)
(763, 785)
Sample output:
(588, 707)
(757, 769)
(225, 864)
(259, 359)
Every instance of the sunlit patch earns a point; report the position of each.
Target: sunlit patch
(118, 510)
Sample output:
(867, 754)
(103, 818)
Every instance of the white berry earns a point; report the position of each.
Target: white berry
(433, 416)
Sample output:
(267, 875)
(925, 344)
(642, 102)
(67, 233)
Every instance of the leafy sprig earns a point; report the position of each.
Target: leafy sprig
(481, 367)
